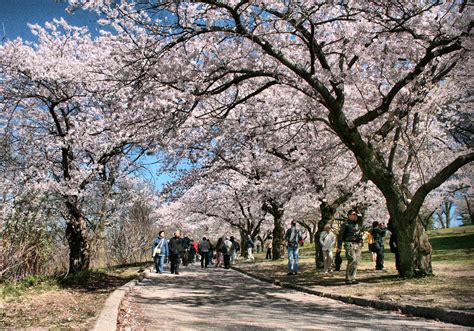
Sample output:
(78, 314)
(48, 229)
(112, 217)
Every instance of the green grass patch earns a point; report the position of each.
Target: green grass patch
(469, 229)
(38, 283)
(459, 241)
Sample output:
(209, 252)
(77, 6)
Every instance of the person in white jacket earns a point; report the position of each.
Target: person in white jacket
(327, 241)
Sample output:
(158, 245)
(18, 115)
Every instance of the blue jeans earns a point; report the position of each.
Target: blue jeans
(292, 258)
(159, 261)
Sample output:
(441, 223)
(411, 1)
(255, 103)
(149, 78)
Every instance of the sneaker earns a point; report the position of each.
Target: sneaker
(355, 282)
(349, 282)
(295, 273)
(290, 274)
(176, 273)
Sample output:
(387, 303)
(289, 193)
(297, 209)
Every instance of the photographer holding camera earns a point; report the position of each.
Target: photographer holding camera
(351, 236)
(378, 232)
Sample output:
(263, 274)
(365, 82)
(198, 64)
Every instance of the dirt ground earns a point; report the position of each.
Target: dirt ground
(449, 288)
(61, 308)
(73, 307)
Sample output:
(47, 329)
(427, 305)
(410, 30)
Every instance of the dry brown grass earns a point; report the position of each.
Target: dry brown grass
(74, 306)
(450, 287)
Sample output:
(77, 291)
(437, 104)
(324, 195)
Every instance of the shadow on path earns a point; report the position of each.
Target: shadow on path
(225, 299)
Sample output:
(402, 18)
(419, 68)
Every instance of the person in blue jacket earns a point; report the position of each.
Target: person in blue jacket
(160, 251)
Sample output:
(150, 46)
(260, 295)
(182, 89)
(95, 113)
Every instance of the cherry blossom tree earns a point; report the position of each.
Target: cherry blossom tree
(367, 69)
(72, 140)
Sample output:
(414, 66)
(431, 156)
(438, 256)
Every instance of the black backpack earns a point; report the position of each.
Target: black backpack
(236, 246)
(225, 250)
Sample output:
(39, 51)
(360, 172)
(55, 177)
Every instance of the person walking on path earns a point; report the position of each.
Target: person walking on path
(249, 244)
(211, 251)
(236, 245)
(292, 236)
(220, 252)
(327, 241)
(195, 249)
(378, 232)
(186, 246)
(160, 251)
(351, 237)
(269, 246)
(228, 250)
(176, 251)
(204, 251)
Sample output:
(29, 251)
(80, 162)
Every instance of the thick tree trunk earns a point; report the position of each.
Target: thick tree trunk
(76, 235)
(414, 249)
(79, 252)
(276, 210)
(243, 241)
(423, 250)
(278, 249)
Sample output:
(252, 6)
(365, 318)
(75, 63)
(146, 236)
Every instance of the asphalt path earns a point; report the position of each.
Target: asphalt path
(214, 298)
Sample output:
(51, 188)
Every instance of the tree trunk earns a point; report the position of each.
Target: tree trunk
(423, 251)
(79, 253)
(76, 235)
(243, 241)
(447, 209)
(278, 239)
(276, 210)
(414, 249)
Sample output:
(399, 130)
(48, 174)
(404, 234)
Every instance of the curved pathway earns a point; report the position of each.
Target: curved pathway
(226, 299)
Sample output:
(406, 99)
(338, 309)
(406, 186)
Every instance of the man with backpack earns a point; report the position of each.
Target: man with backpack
(236, 245)
(249, 244)
(204, 248)
(228, 250)
(186, 246)
(176, 250)
(378, 232)
(293, 236)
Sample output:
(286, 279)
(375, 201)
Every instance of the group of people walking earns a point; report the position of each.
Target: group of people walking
(184, 249)
(225, 251)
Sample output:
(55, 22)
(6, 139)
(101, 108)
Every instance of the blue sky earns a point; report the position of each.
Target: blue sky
(16, 14)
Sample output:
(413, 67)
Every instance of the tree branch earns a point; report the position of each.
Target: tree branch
(443, 175)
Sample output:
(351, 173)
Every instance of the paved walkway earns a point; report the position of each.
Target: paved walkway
(226, 299)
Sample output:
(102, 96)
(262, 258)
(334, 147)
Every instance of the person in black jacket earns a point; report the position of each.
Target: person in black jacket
(378, 232)
(394, 245)
(186, 247)
(176, 249)
(350, 235)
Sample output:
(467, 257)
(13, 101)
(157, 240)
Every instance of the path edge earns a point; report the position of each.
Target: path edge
(108, 316)
(445, 315)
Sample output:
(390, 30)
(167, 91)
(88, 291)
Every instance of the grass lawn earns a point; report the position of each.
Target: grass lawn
(453, 267)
